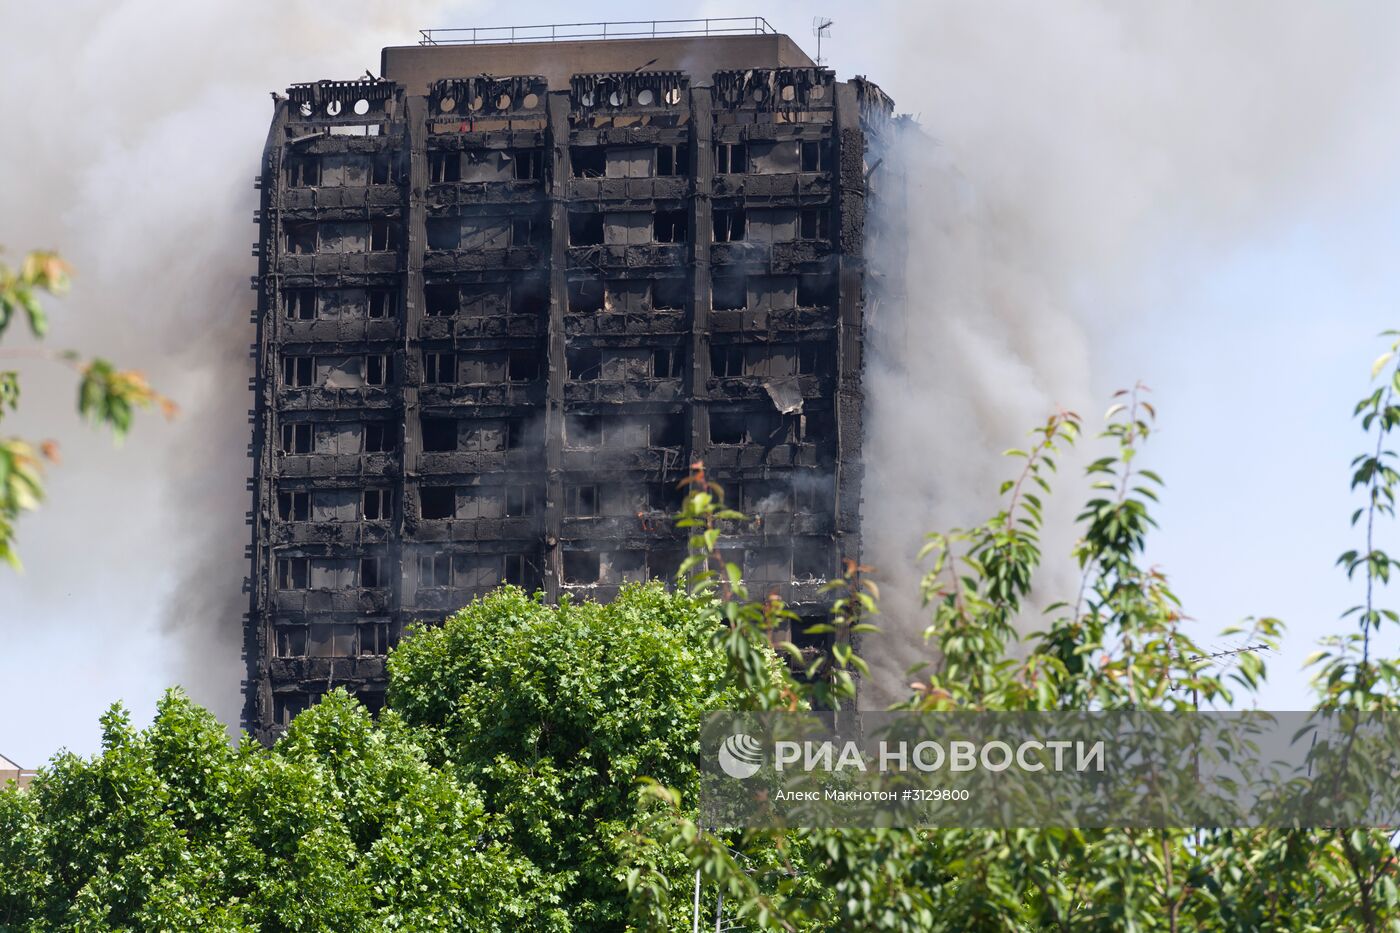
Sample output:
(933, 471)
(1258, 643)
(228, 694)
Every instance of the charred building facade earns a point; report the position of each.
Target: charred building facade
(507, 294)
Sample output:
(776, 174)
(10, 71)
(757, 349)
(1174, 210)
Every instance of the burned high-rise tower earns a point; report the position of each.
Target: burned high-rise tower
(509, 292)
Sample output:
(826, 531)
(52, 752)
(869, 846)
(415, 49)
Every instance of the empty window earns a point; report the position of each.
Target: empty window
(379, 302)
(585, 365)
(524, 366)
(379, 438)
(483, 369)
(586, 296)
(666, 430)
(588, 161)
(300, 304)
(491, 436)
(376, 369)
(515, 570)
(381, 168)
(303, 171)
(731, 158)
(480, 165)
(777, 156)
(585, 228)
(811, 560)
(371, 573)
(291, 641)
(444, 232)
(522, 501)
(439, 434)
(664, 497)
(583, 430)
(726, 360)
(580, 567)
(816, 224)
(444, 166)
(522, 231)
(439, 368)
(292, 573)
(294, 506)
(436, 502)
(376, 505)
(670, 227)
(529, 296)
(815, 291)
(728, 428)
(301, 239)
(298, 371)
(529, 164)
(383, 235)
(814, 156)
(667, 364)
(673, 159)
(374, 638)
(581, 501)
(296, 438)
(807, 356)
(729, 225)
(729, 293)
(441, 300)
(669, 294)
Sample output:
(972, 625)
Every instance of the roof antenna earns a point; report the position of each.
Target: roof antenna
(821, 26)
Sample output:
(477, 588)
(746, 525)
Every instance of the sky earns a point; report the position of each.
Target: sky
(1201, 197)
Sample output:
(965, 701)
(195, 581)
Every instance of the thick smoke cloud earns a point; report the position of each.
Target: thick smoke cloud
(134, 154)
(1087, 159)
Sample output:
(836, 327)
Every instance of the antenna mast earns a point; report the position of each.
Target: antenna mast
(821, 26)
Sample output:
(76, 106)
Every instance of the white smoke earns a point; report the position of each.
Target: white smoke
(1089, 156)
(135, 134)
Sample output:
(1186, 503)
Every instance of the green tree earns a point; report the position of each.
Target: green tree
(107, 396)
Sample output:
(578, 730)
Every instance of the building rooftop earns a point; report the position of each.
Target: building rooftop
(698, 47)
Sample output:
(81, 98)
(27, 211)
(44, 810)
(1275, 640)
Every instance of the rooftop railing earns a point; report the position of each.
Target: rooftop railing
(634, 29)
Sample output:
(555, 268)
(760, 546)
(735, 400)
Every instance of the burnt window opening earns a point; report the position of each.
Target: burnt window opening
(816, 426)
(729, 225)
(381, 169)
(583, 431)
(288, 706)
(664, 497)
(585, 228)
(524, 366)
(298, 372)
(439, 368)
(808, 356)
(377, 369)
(731, 158)
(814, 291)
(383, 235)
(516, 571)
(379, 303)
(670, 227)
(379, 438)
(293, 573)
(729, 293)
(585, 365)
(294, 506)
(581, 567)
(523, 231)
(728, 428)
(485, 299)
(529, 164)
(586, 296)
(810, 643)
(667, 431)
(376, 505)
(374, 641)
(303, 171)
(669, 294)
(815, 224)
(291, 641)
(673, 159)
(371, 573)
(811, 560)
(588, 161)
(522, 501)
(439, 434)
(435, 570)
(774, 156)
(436, 502)
(493, 436)
(296, 438)
(444, 167)
(814, 156)
(528, 296)
(441, 300)
(809, 494)
(667, 363)
(300, 304)
(581, 501)
(301, 239)
(726, 360)
(444, 232)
